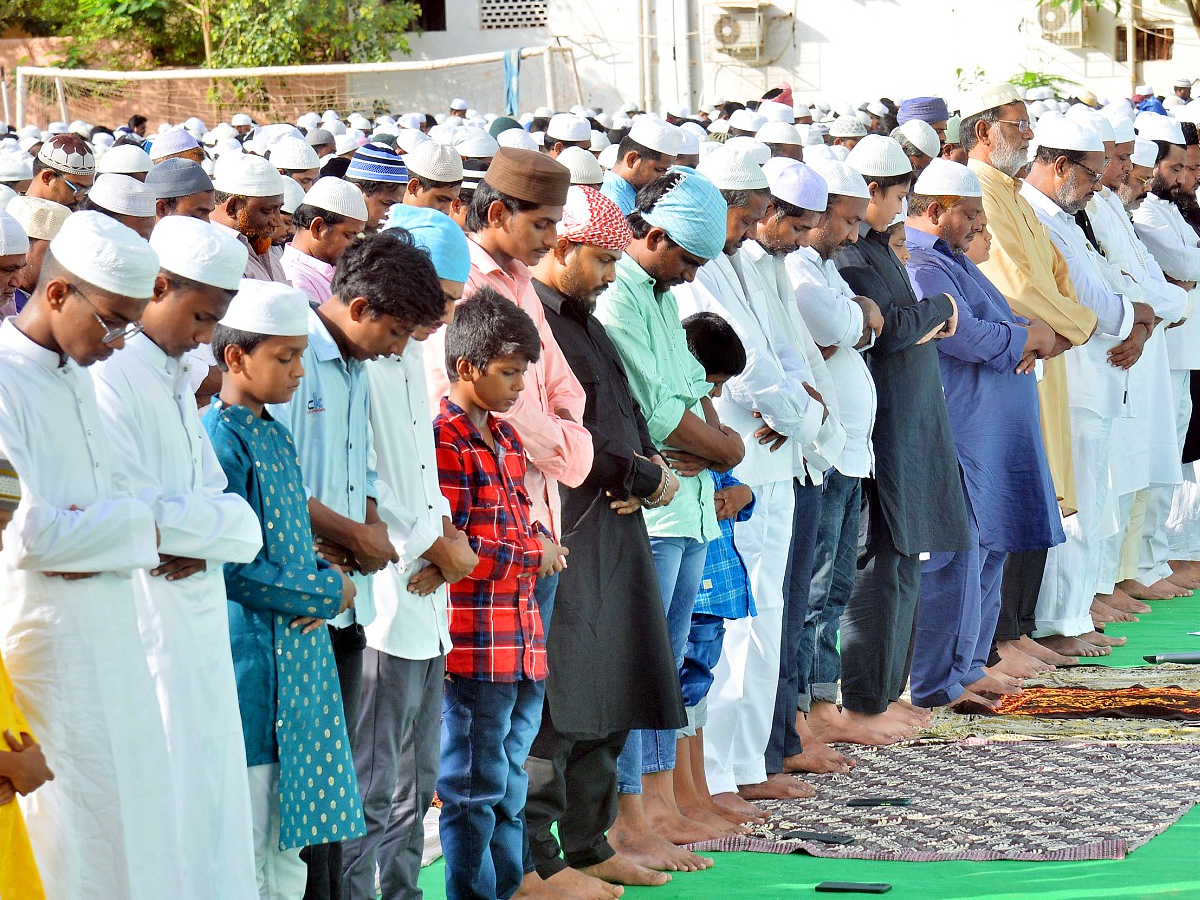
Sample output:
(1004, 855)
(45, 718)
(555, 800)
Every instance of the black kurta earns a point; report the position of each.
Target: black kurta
(609, 656)
(917, 481)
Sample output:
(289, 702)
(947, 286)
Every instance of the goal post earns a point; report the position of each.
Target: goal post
(282, 93)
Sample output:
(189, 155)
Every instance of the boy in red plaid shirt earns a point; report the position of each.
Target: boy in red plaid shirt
(490, 707)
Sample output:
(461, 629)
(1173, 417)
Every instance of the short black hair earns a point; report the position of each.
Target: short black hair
(889, 181)
(395, 275)
(428, 184)
(1191, 135)
(715, 344)
(629, 145)
(647, 197)
(1164, 150)
(90, 205)
(786, 210)
(136, 119)
(304, 215)
(487, 327)
(183, 283)
(336, 167)
(485, 195)
(224, 336)
(371, 188)
(737, 199)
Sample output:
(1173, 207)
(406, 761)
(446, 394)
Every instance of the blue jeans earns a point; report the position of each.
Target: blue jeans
(700, 657)
(544, 592)
(834, 571)
(679, 563)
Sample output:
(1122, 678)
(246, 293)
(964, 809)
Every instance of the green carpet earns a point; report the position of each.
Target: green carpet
(1162, 630)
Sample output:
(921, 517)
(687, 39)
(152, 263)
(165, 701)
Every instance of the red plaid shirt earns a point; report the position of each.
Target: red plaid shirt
(494, 623)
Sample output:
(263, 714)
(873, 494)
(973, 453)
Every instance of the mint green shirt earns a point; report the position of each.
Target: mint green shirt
(666, 380)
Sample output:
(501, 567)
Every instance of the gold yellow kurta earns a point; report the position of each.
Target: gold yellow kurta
(1032, 275)
(19, 879)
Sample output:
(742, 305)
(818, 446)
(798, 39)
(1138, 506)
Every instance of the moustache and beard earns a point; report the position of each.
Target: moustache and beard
(1185, 201)
(1009, 158)
(260, 240)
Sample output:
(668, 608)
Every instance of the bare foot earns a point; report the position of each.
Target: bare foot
(1102, 612)
(815, 755)
(1026, 644)
(1184, 580)
(632, 837)
(1016, 651)
(994, 682)
(1118, 599)
(1185, 568)
(1018, 665)
(716, 821)
(1160, 590)
(1060, 643)
(969, 700)
(533, 887)
(860, 728)
(583, 886)
(918, 713)
(620, 869)
(777, 787)
(738, 810)
(1102, 640)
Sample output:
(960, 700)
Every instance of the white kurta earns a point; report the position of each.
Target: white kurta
(105, 826)
(159, 443)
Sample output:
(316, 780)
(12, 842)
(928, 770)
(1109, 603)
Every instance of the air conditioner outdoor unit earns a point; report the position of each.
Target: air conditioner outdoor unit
(1062, 26)
(736, 29)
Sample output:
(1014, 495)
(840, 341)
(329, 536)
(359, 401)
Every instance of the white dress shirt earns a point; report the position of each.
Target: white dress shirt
(1176, 248)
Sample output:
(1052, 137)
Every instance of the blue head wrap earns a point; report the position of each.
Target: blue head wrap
(692, 213)
(437, 233)
(927, 109)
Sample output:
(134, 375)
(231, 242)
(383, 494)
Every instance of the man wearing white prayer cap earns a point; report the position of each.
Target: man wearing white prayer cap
(145, 401)
(16, 170)
(329, 219)
(644, 154)
(920, 143)
(847, 131)
(745, 122)
(803, 115)
(296, 159)
(566, 130)
(474, 143)
(248, 192)
(1183, 88)
(177, 142)
(182, 189)
(41, 220)
(1062, 179)
(98, 717)
(125, 199)
(63, 170)
(689, 149)
(14, 248)
(783, 139)
(459, 107)
(242, 122)
(125, 160)
(584, 167)
(435, 173)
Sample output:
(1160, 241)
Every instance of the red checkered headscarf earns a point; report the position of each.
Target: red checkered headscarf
(591, 218)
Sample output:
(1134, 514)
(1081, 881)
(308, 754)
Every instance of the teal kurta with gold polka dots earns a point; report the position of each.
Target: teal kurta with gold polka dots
(287, 681)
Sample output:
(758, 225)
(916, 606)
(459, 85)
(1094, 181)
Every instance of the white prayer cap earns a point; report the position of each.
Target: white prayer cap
(818, 151)
(247, 176)
(1184, 82)
(543, 112)
(459, 105)
(992, 97)
(921, 135)
(759, 151)
(197, 250)
(604, 119)
(13, 239)
(294, 154)
(1155, 127)
(16, 167)
(1068, 134)
(335, 127)
(176, 140)
(566, 127)
(224, 146)
(336, 195)
(839, 152)
(195, 125)
(40, 218)
(608, 156)
(1102, 126)
(359, 121)
(600, 141)
(435, 162)
(123, 194)
(330, 115)
(308, 120)
(583, 165)
(409, 139)
(841, 179)
(800, 111)
(1122, 129)
(864, 117)
(103, 252)
(877, 109)
(1189, 112)
(733, 169)
(795, 183)
(293, 195)
(718, 126)
(1037, 109)
(811, 135)
(240, 119)
(776, 112)
(876, 156)
(474, 143)
(102, 140)
(268, 307)
(655, 134)
(944, 178)
(847, 127)
(689, 144)
(778, 133)
(746, 120)
(344, 143)
(679, 112)
(57, 128)
(694, 128)
(517, 139)
(1145, 153)
(1143, 90)
(124, 160)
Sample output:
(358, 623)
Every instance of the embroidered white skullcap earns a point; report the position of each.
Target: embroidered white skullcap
(434, 161)
(583, 165)
(566, 127)
(776, 112)
(1122, 129)
(876, 156)
(40, 218)
(841, 179)
(746, 120)
(689, 144)
(459, 105)
(516, 139)
(944, 178)
(921, 135)
(246, 175)
(847, 127)
(103, 252)
(759, 151)
(123, 194)
(733, 169)
(1155, 127)
(242, 119)
(293, 195)
(336, 195)
(1103, 127)
(294, 154)
(600, 141)
(797, 184)
(16, 166)
(176, 140)
(877, 108)
(991, 97)
(1067, 134)
(818, 151)
(124, 160)
(474, 143)
(6, 196)
(268, 307)
(200, 251)
(13, 239)
(608, 157)
(655, 134)
(1145, 153)
(778, 133)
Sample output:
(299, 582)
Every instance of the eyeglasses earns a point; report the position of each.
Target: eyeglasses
(112, 333)
(1096, 176)
(77, 188)
(1022, 124)
(1144, 182)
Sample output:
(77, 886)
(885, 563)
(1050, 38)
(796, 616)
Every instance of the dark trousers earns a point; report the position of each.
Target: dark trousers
(325, 860)
(795, 660)
(879, 623)
(1018, 596)
(572, 784)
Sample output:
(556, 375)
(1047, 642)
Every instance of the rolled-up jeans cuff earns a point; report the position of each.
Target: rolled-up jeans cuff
(697, 718)
(826, 692)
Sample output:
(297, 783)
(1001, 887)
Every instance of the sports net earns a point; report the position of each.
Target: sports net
(546, 75)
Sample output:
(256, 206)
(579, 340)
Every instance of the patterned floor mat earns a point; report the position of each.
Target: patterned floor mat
(1169, 704)
(983, 800)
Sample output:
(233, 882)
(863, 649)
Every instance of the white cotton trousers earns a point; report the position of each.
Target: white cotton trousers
(1069, 583)
(741, 703)
(281, 874)
(1111, 559)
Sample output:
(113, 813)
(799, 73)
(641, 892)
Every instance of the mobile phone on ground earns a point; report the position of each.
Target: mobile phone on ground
(880, 801)
(853, 887)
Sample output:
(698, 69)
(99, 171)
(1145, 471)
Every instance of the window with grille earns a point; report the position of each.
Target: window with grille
(1152, 42)
(494, 14)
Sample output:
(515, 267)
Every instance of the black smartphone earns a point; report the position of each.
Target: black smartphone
(821, 837)
(880, 801)
(854, 887)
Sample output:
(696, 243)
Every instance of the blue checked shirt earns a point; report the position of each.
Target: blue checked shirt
(725, 587)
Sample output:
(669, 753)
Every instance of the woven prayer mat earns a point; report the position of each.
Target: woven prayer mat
(948, 725)
(986, 800)
(1168, 703)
